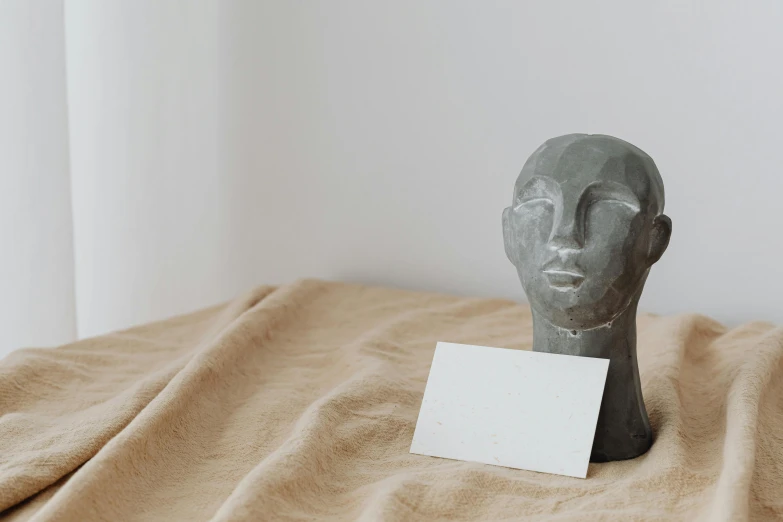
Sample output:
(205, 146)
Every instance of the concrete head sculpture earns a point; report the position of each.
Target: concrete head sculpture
(584, 227)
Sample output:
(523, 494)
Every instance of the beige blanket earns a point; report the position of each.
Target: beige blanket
(299, 403)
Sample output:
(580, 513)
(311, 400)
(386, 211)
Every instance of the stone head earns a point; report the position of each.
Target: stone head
(584, 227)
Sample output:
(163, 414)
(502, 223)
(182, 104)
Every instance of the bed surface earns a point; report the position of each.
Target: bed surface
(299, 403)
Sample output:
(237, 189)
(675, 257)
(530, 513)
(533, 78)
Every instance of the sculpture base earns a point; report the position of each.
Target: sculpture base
(622, 450)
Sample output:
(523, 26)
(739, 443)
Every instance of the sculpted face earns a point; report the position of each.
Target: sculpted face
(584, 227)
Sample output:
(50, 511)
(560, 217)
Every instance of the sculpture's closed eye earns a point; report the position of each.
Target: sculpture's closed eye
(612, 194)
(532, 201)
(629, 205)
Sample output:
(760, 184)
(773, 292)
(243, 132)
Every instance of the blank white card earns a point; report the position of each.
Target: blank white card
(513, 408)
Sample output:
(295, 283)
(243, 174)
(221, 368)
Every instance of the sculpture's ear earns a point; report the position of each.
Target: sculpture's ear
(508, 235)
(659, 238)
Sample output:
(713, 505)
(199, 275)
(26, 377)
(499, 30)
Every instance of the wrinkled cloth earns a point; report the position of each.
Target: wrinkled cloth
(299, 403)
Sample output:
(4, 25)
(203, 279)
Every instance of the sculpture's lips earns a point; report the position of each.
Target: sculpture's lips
(563, 278)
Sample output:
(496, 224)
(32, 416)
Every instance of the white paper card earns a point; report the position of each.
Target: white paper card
(513, 408)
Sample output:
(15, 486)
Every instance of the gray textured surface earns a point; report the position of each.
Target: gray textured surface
(584, 227)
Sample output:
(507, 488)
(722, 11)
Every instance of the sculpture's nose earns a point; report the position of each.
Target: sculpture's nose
(567, 233)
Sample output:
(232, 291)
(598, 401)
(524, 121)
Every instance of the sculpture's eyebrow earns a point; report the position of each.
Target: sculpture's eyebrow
(535, 188)
(611, 191)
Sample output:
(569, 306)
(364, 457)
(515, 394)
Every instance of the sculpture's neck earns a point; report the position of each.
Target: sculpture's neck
(617, 338)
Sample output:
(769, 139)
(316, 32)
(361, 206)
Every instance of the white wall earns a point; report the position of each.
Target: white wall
(151, 214)
(379, 141)
(36, 258)
(216, 145)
